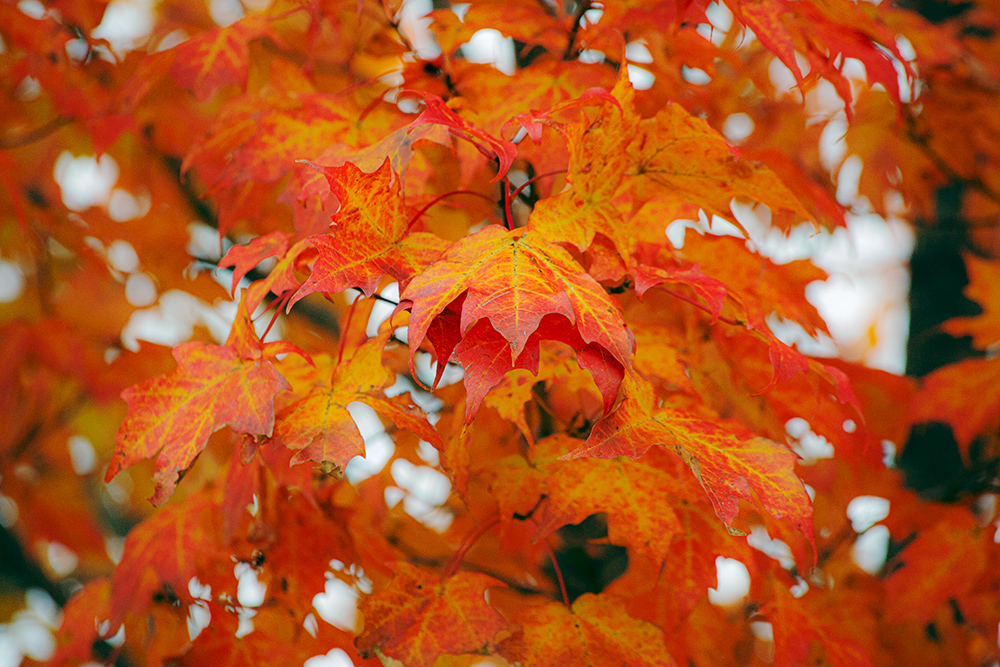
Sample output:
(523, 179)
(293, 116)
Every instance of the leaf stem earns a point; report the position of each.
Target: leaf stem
(701, 306)
(533, 179)
(467, 544)
(277, 311)
(506, 203)
(347, 327)
(559, 576)
(447, 194)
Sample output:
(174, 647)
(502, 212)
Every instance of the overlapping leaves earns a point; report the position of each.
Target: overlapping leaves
(514, 280)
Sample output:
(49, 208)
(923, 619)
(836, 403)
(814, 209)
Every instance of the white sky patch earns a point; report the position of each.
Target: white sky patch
(29, 90)
(734, 582)
(832, 145)
(737, 127)
(32, 8)
(424, 490)
(199, 618)
(62, 559)
(490, 47)
(11, 281)
(641, 79)
(423, 482)
(250, 592)
(425, 367)
(126, 24)
(122, 256)
(225, 12)
(170, 322)
(199, 590)
(245, 625)
(415, 25)
(85, 181)
(636, 52)
(807, 444)
(338, 604)
(869, 551)
(865, 511)
(693, 75)
(140, 290)
(29, 633)
(379, 447)
(124, 206)
(381, 310)
(776, 549)
(336, 657)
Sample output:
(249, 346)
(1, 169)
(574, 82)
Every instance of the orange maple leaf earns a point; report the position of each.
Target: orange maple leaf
(962, 394)
(984, 289)
(230, 385)
(219, 57)
(596, 630)
(800, 632)
(941, 564)
(573, 490)
(369, 237)
(730, 463)
(419, 617)
(514, 279)
(319, 424)
(164, 553)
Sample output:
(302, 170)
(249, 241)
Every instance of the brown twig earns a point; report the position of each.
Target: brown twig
(37, 134)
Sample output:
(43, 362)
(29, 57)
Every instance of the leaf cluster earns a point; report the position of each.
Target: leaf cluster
(473, 391)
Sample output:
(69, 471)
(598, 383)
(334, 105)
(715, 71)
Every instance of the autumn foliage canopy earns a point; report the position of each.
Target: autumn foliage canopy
(464, 272)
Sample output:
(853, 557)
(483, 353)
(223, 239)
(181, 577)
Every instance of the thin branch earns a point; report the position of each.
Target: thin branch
(467, 543)
(37, 134)
(581, 9)
(559, 576)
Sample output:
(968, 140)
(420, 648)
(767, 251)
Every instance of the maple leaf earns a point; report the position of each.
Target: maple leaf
(320, 426)
(370, 235)
(81, 618)
(230, 385)
(824, 32)
(419, 617)
(680, 154)
(164, 553)
(275, 641)
(219, 57)
(514, 280)
(730, 463)
(960, 394)
(984, 277)
(690, 561)
(940, 564)
(799, 635)
(598, 163)
(556, 368)
(710, 289)
(596, 630)
(244, 258)
(573, 490)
